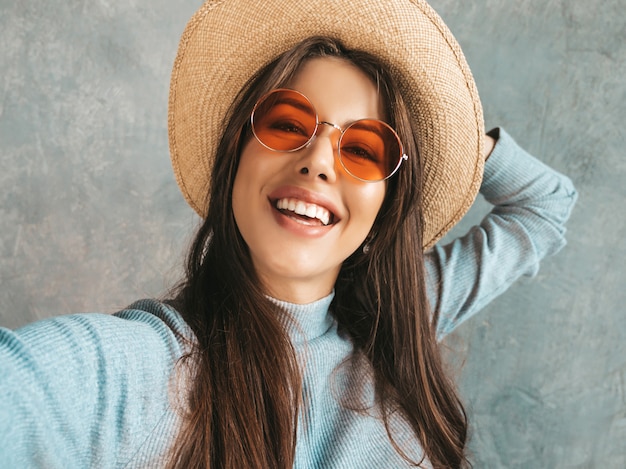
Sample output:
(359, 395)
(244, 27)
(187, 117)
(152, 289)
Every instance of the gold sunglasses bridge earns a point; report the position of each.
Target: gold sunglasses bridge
(335, 126)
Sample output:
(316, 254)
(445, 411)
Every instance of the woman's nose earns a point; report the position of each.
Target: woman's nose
(319, 157)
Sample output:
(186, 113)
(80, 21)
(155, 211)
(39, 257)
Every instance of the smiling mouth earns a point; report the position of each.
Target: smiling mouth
(305, 213)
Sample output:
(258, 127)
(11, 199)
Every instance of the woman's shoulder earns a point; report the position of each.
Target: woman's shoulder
(144, 321)
(159, 315)
(142, 340)
(87, 378)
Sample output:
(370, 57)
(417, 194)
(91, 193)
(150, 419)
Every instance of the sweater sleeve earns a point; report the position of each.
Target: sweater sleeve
(86, 390)
(531, 202)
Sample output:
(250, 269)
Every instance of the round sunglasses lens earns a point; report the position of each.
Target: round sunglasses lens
(284, 120)
(370, 150)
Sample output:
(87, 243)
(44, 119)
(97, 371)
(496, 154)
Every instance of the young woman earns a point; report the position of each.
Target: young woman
(305, 332)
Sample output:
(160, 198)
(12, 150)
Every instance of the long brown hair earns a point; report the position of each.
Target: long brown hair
(245, 390)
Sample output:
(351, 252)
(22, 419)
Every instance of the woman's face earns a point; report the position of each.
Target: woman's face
(298, 257)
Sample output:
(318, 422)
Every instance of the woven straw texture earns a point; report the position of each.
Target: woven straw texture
(226, 41)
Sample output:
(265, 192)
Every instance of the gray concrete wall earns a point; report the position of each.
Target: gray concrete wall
(91, 218)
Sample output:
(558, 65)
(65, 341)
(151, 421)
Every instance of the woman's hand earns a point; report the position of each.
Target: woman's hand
(489, 143)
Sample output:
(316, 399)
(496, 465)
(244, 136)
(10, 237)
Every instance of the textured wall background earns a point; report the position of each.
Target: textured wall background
(91, 218)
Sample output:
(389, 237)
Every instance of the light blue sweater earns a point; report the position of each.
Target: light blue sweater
(96, 390)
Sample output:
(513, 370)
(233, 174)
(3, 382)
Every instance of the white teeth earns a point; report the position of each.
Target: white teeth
(323, 215)
(302, 208)
(311, 211)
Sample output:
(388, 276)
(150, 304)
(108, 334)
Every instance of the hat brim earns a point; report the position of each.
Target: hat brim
(228, 41)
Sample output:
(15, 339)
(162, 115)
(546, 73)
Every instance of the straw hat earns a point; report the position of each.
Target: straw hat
(227, 41)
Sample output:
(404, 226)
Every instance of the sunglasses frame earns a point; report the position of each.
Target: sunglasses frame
(402, 156)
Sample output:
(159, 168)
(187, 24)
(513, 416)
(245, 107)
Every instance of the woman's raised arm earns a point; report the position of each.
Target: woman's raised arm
(531, 202)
